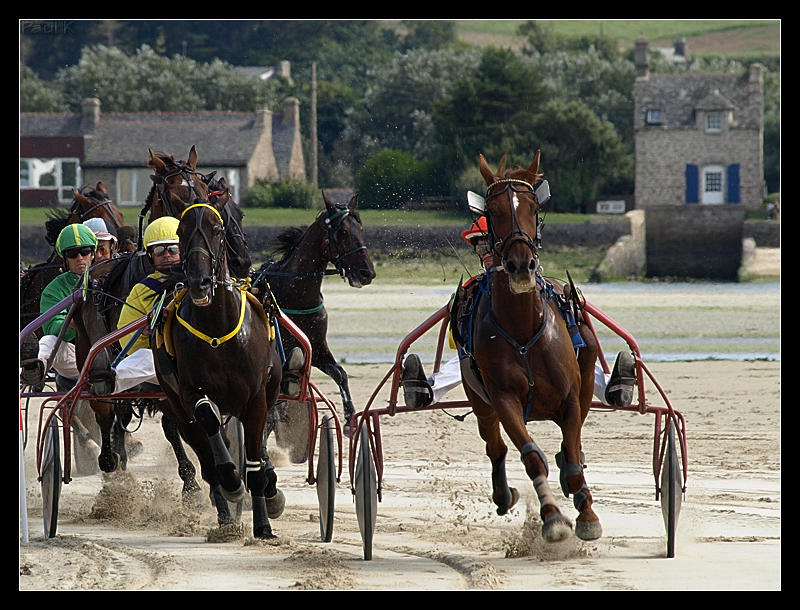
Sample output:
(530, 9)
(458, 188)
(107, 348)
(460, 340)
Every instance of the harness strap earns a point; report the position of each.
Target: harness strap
(216, 341)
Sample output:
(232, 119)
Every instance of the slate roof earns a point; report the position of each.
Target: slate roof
(679, 95)
(123, 139)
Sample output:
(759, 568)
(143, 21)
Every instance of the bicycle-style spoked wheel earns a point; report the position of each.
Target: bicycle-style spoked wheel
(366, 491)
(51, 477)
(326, 479)
(671, 488)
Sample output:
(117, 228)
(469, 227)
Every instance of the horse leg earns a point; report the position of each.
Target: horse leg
(503, 496)
(119, 433)
(570, 463)
(207, 415)
(108, 460)
(555, 526)
(267, 500)
(336, 372)
(186, 470)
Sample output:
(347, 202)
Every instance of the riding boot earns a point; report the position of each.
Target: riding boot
(292, 371)
(619, 391)
(417, 392)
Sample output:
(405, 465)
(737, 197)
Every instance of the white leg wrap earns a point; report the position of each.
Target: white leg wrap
(543, 491)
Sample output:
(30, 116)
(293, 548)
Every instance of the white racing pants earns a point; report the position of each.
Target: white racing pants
(135, 369)
(64, 360)
(449, 377)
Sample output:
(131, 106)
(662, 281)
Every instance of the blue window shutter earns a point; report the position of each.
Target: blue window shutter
(692, 184)
(733, 183)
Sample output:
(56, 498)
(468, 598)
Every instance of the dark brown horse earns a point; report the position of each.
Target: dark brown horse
(526, 360)
(169, 174)
(335, 237)
(225, 361)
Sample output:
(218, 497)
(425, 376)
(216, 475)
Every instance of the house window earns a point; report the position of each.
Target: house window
(653, 116)
(133, 186)
(714, 122)
(61, 175)
(713, 184)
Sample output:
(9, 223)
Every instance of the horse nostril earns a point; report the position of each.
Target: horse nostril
(532, 264)
(510, 266)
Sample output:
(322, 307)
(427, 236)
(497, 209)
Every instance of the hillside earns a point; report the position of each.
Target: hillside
(732, 38)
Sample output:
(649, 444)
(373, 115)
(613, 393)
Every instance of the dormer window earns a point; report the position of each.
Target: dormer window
(714, 122)
(653, 116)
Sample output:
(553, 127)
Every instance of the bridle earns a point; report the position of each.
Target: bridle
(500, 246)
(333, 223)
(215, 255)
(83, 214)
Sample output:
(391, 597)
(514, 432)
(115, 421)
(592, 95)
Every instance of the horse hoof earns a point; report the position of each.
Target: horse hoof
(556, 528)
(588, 530)
(264, 533)
(502, 510)
(109, 462)
(236, 495)
(275, 505)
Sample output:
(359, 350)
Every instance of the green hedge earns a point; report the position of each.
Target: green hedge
(288, 194)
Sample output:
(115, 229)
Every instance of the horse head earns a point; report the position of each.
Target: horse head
(201, 232)
(219, 195)
(345, 242)
(95, 203)
(512, 214)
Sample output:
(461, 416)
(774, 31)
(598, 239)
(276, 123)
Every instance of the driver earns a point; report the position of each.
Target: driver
(76, 244)
(161, 244)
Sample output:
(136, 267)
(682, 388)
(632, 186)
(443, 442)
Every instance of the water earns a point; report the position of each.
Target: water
(669, 321)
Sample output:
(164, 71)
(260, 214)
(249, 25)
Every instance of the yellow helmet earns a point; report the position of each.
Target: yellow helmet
(162, 230)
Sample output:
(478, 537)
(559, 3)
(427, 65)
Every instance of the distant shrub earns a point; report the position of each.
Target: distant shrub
(287, 194)
(392, 178)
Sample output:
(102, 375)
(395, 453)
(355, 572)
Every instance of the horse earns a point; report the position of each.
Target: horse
(522, 353)
(169, 174)
(94, 317)
(224, 360)
(336, 236)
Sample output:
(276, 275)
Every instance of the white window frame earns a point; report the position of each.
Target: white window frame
(713, 192)
(653, 116)
(134, 184)
(714, 122)
(30, 176)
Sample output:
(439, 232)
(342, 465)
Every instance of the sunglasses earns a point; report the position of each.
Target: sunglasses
(160, 250)
(85, 251)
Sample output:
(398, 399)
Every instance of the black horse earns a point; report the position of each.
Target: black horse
(337, 237)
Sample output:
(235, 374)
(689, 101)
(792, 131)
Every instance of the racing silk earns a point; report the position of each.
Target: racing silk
(56, 291)
(142, 298)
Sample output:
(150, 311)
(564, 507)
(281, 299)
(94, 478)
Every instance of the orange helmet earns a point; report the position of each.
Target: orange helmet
(479, 229)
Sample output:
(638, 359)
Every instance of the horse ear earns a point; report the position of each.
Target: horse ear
(328, 203)
(501, 169)
(80, 197)
(353, 203)
(155, 162)
(487, 174)
(192, 158)
(102, 188)
(534, 168)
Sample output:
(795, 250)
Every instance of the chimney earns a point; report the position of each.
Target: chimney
(284, 69)
(640, 57)
(755, 74)
(291, 111)
(90, 113)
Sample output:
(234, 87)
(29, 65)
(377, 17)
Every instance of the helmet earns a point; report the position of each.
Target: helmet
(162, 230)
(100, 229)
(75, 236)
(479, 229)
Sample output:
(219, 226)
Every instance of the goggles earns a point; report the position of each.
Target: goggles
(171, 249)
(76, 252)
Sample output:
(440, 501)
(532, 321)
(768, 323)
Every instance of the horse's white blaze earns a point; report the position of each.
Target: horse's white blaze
(516, 201)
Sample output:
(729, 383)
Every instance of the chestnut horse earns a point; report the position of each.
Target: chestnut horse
(224, 359)
(335, 237)
(526, 359)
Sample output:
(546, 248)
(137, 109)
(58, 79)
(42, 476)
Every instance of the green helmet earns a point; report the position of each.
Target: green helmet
(75, 236)
(162, 230)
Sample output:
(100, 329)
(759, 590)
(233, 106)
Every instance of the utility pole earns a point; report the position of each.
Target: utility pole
(314, 143)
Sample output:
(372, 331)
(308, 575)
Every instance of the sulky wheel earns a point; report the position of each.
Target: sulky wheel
(366, 491)
(671, 487)
(326, 479)
(51, 473)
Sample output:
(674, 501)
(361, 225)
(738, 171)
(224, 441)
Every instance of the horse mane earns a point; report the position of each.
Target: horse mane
(286, 242)
(54, 224)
